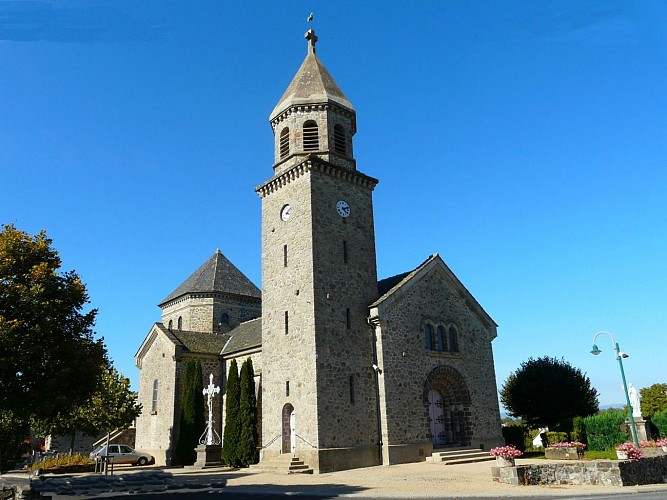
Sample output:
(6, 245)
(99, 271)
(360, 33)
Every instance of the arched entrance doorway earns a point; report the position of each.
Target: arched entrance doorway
(288, 429)
(447, 399)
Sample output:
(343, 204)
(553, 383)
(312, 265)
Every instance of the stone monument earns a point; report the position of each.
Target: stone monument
(640, 423)
(209, 449)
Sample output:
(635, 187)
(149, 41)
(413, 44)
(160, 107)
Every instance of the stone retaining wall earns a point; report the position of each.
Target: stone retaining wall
(604, 472)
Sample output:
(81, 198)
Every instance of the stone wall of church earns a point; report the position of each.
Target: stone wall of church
(407, 364)
(212, 313)
(155, 425)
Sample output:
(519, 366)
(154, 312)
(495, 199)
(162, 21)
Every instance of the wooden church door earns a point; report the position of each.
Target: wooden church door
(436, 417)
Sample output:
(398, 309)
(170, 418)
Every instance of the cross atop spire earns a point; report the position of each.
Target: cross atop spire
(312, 40)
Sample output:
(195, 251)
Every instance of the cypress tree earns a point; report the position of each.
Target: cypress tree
(232, 434)
(247, 451)
(192, 420)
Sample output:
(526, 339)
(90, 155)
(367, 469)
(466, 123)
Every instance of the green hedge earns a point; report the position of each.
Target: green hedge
(659, 419)
(603, 430)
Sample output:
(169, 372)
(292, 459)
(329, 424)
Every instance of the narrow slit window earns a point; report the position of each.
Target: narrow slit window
(286, 322)
(285, 256)
(284, 143)
(311, 138)
(339, 140)
(352, 389)
(345, 252)
(287, 388)
(155, 392)
(348, 319)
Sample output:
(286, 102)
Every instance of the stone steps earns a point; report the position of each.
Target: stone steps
(284, 463)
(297, 466)
(459, 456)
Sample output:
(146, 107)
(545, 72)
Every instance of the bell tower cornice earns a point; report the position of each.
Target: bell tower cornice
(315, 164)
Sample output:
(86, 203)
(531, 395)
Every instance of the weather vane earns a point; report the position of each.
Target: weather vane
(310, 19)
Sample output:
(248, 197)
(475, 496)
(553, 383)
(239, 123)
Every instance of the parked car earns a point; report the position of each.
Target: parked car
(121, 454)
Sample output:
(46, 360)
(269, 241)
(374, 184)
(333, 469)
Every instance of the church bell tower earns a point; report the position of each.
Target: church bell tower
(318, 278)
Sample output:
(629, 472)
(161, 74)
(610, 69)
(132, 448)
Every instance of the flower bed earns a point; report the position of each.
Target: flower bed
(505, 455)
(628, 451)
(653, 448)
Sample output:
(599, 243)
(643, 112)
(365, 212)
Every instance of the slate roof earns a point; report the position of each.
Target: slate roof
(245, 336)
(217, 274)
(196, 342)
(388, 286)
(311, 84)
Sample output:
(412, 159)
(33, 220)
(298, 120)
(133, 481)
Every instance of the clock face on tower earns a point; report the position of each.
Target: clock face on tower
(285, 212)
(343, 208)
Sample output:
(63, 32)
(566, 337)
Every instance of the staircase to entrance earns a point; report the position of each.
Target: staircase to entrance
(453, 456)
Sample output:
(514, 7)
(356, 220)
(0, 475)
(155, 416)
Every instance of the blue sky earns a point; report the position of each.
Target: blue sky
(523, 141)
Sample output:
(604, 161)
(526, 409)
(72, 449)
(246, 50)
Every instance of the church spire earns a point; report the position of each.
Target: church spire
(313, 117)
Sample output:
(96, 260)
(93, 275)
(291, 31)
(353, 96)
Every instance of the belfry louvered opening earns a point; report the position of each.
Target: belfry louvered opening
(284, 143)
(339, 140)
(311, 138)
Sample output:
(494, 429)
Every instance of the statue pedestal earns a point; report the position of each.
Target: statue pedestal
(640, 425)
(208, 456)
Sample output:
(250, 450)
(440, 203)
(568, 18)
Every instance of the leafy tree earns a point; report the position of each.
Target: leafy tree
(192, 422)
(653, 399)
(12, 433)
(546, 391)
(247, 450)
(232, 434)
(49, 360)
(112, 406)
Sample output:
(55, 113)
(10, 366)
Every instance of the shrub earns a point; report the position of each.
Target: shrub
(192, 419)
(514, 435)
(247, 447)
(60, 461)
(578, 430)
(603, 430)
(232, 433)
(556, 437)
(660, 421)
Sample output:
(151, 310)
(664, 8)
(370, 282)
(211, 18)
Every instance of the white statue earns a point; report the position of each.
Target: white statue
(634, 401)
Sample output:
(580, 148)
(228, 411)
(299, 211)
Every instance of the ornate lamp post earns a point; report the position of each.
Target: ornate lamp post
(619, 356)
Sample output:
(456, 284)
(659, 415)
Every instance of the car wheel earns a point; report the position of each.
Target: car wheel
(142, 461)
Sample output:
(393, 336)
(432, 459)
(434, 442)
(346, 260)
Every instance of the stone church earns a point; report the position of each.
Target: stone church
(351, 371)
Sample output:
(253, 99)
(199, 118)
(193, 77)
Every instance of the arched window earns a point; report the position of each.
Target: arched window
(311, 138)
(453, 339)
(224, 318)
(284, 143)
(180, 322)
(339, 140)
(171, 324)
(430, 341)
(154, 404)
(442, 339)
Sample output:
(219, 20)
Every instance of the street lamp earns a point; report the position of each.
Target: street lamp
(619, 356)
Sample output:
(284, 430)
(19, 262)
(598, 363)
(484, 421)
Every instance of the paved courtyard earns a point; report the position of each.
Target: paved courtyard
(423, 480)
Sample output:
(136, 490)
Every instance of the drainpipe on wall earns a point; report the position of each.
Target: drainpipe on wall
(376, 377)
